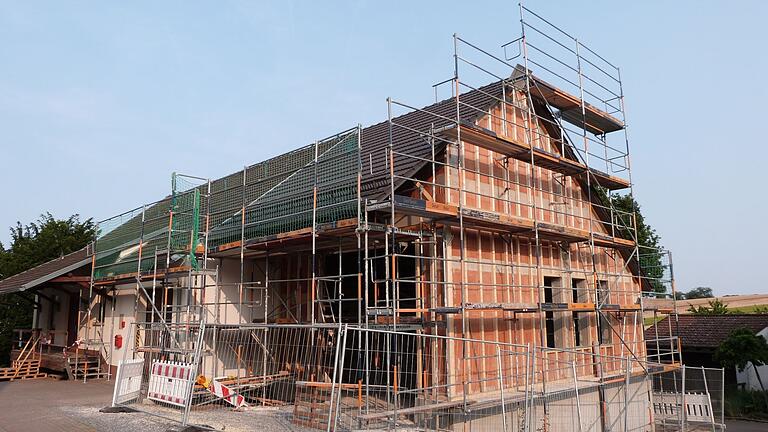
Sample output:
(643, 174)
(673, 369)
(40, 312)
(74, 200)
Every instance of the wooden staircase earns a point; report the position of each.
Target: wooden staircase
(84, 365)
(26, 365)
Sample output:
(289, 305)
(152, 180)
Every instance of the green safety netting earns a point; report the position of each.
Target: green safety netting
(185, 219)
(279, 192)
(277, 195)
(118, 238)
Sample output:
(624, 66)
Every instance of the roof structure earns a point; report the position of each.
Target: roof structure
(280, 187)
(375, 138)
(278, 191)
(706, 331)
(45, 272)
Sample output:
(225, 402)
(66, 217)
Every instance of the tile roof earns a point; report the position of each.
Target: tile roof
(375, 138)
(375, 172)
(45, 271)
(706, 331)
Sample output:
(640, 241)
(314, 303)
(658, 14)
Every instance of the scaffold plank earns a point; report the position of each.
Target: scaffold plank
(515, 149)
(593, 119)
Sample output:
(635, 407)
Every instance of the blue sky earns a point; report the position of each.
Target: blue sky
(101, 101)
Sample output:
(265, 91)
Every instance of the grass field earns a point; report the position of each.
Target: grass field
(762, 308)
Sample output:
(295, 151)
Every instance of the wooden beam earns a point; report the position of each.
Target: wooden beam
(35, 303)
(72, 279)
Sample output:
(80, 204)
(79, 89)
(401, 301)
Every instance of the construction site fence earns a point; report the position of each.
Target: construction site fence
(689, 398)
(336, 377)
(159, 368)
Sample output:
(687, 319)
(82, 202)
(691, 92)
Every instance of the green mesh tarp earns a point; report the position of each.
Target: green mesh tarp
(231, 193)
(277, 195)
(280, 192)
(185, 218)
(118, 238)
(289, 205)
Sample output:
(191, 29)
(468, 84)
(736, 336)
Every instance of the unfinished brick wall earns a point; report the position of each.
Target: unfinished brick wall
(503, 269)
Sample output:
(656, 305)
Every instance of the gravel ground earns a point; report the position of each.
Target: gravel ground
(746, 426)
(116, 422)
(51, 405)
(249, 419)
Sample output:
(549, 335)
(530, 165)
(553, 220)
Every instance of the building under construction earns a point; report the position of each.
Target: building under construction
(460, 265)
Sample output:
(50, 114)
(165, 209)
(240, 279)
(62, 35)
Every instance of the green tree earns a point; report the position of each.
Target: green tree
(742, 347)
(652, 255)
(699, 292)
(31, 245)
(646, 235)
(716, 307)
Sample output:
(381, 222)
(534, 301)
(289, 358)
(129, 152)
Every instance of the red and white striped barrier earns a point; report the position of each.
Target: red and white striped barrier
(228, 394)
(169, 382)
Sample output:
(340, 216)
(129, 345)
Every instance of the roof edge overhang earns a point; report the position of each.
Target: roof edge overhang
(54, 274)
(44, 272)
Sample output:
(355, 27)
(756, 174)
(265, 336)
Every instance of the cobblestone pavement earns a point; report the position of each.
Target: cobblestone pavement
(50, 405)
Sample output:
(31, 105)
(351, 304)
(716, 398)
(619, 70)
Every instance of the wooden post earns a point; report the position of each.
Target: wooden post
(239, 353)
(359, 393)
(395, 379)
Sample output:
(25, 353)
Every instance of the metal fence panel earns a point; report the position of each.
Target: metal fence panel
(160, 378)
(689, 398)
(128, 381)
(335, 377)
(407, 380)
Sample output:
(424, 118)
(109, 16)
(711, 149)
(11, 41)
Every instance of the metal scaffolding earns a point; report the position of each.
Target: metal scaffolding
(465, 262)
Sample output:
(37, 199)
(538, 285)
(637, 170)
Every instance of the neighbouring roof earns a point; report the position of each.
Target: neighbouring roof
(706, 331)
(45, 272)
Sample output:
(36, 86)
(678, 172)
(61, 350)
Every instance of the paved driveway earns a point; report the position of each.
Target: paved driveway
(49, 405)
(744, 426)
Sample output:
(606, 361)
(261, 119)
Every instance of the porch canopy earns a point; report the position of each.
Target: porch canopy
(56, 270)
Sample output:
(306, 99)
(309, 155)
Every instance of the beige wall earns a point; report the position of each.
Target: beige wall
(54, 316)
